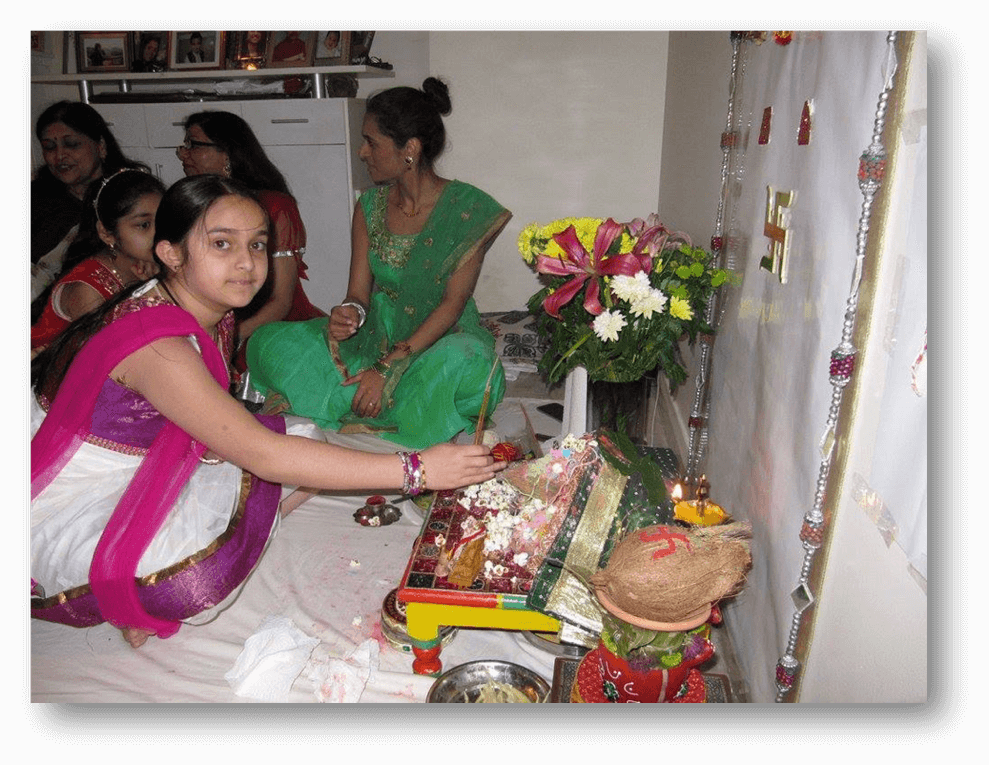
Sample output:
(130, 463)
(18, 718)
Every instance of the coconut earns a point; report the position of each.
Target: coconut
(666, 576)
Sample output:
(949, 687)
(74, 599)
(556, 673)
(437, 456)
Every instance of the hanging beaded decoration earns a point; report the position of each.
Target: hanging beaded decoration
(872, 166)
(723, 246)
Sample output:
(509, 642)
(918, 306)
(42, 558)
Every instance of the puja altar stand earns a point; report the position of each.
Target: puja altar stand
(431, 601)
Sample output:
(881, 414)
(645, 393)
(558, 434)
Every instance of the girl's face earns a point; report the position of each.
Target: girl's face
(134, 236)
(203, 156)
(226, 255)
(72, 157)
(384, 159)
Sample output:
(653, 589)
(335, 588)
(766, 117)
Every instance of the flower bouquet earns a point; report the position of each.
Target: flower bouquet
(619, 296)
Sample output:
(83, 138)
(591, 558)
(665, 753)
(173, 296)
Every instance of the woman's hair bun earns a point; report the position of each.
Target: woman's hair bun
(438, 94)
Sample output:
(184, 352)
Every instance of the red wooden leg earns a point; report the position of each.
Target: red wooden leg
(427, 660)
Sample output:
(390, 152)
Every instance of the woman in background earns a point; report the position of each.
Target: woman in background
(404, 356)
(78, 148)
(114, 249)
(221, 143)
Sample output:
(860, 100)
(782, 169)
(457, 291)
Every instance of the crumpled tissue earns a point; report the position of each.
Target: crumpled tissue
(273, 657)
(343, 681)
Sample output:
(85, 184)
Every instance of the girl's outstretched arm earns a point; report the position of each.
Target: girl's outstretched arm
(171, 374)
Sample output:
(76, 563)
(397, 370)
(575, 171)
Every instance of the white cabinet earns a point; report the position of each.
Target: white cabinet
(314, 142)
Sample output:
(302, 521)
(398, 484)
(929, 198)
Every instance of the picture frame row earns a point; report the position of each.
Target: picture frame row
(192, 50)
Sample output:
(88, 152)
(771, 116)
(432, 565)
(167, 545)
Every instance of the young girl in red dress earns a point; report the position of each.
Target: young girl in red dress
(113, 250)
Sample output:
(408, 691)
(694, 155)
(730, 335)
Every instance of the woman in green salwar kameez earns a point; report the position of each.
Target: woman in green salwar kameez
(404, 356)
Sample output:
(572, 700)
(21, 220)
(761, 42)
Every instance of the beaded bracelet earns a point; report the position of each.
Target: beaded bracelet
(381, 367)
(414, 481)
(360, 310)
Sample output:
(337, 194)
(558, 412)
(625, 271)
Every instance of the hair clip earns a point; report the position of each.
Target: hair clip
(109, 178)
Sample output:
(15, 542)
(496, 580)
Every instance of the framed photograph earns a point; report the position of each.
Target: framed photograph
(360, 46)
(332, 48)
(149, 51)
(103, 51)
(291, 49)
(196, 50)
(247, 50)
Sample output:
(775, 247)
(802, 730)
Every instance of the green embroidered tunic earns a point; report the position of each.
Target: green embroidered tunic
(430, 396)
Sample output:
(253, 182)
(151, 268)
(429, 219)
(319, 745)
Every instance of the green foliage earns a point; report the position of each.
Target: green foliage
(632, 462)
(647, 343)
(628, 641)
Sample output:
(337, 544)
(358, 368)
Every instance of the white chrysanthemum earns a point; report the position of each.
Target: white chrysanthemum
(608, 324)
(645, 306)
(630, 288)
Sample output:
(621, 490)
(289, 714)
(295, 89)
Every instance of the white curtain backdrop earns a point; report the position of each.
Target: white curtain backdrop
(771, 388)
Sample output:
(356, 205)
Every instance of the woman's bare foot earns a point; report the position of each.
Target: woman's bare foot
(136, 636)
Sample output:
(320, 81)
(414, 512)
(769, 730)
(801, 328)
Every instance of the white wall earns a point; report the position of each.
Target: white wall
(771, 388)
(552, 124)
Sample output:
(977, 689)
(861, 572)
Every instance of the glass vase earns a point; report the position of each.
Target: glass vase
(620, 407)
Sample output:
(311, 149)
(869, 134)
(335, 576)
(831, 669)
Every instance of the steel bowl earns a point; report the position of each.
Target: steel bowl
(463, 684)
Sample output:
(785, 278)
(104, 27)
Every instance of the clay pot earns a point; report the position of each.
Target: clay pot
(625, 685)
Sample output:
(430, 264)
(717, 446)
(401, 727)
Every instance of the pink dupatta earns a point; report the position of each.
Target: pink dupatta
(170, 461)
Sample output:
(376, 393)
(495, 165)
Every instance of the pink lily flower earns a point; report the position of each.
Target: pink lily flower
(582, 266)
(652, 237)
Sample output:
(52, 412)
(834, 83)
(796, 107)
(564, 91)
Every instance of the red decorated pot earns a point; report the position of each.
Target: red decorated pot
(625, 685)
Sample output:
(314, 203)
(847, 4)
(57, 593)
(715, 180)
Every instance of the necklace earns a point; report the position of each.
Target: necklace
(214, 333)
(113, 269)
(412, 214)
(168, 292)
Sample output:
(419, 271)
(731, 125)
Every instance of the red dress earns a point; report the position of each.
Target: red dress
(90, 271)
(289, 240)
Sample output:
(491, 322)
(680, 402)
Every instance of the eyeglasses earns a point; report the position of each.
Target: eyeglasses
(188, 144)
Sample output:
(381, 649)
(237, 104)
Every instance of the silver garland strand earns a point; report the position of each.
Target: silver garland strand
(872, 165)
(701, 409)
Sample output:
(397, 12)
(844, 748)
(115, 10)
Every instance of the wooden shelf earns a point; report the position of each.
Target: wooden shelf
(124, 79)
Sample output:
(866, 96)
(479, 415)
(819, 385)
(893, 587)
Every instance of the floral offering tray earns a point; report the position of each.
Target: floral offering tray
(444, 527)
(491, 544)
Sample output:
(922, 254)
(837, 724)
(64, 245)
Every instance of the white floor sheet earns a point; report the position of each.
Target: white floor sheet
(325, 572)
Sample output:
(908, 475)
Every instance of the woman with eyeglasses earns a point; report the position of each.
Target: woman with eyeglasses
(222, 143)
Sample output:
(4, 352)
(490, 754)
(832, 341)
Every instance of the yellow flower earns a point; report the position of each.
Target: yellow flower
(553, 250)
(525, 243)
(627, 243)
(681, 309)
(587, 230)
